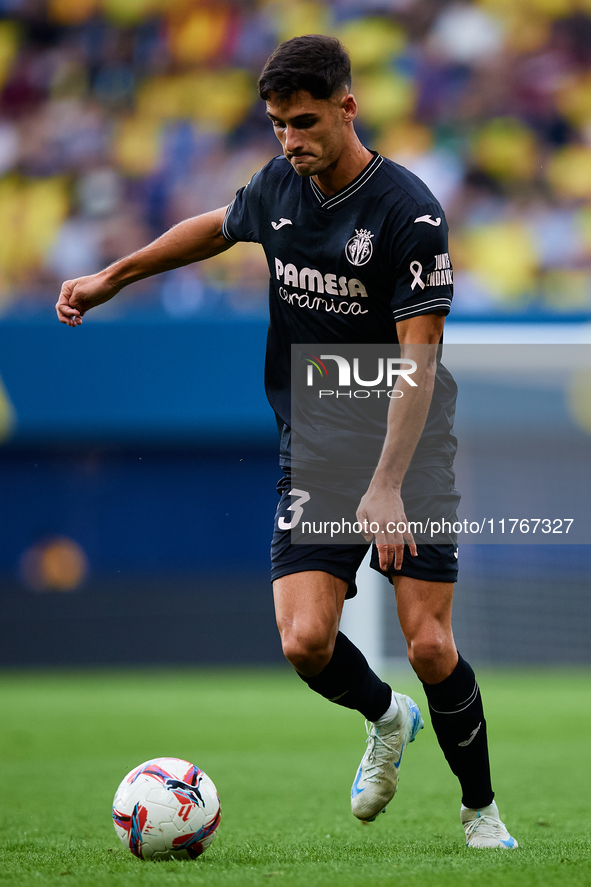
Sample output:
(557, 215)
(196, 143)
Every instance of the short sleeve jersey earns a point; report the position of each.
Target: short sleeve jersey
(346, 268)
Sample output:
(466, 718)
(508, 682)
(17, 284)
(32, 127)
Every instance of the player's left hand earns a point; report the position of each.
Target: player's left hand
(383, 510)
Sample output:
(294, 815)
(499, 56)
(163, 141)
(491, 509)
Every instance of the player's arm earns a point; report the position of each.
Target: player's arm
(419, 338)
(190, 241)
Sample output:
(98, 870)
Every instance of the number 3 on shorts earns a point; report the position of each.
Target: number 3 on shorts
(297, 509)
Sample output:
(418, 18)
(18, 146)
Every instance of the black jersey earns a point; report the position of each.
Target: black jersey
(346, 268)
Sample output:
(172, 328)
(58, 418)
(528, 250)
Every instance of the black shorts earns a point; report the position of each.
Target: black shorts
(433, 563)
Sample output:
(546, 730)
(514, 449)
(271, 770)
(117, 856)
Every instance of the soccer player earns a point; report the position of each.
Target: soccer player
(354, 243)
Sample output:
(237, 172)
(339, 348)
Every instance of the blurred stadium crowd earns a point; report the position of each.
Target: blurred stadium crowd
(118, 118)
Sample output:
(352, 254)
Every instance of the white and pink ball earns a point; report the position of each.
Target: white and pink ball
(166, 808)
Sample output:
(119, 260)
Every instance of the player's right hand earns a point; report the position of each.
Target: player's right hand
(78, 296)
(383, 506)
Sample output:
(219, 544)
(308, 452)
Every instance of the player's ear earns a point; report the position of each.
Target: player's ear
(349, 107)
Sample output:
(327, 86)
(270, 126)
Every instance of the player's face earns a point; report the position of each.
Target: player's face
(313, 132)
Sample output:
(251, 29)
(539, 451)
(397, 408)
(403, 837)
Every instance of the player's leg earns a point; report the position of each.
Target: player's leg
(310, 584)
(308, 607)
(455, 704)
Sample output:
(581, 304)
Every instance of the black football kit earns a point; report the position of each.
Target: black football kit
(344, 270)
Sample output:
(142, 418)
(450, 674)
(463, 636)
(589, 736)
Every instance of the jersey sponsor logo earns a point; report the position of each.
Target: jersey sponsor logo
(359, 248)
(314, 282)
(281, 223)
(317, 303)
(435, 222)
(442, 276)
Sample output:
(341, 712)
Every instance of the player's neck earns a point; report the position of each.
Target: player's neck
(351, 162)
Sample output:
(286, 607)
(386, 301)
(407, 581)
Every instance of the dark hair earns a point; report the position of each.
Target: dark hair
(317, 64)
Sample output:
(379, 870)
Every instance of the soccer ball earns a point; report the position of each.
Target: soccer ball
(166, 808)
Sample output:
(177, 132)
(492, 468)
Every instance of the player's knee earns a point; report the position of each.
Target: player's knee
(428, 651)
(308, 655)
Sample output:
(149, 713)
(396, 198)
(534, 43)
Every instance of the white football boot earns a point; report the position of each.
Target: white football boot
(377, 777)
(484, 828)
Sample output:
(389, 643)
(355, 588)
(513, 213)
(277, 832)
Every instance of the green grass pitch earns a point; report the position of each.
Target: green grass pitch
(283, 760)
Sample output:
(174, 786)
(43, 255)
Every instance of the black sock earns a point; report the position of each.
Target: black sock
(458, 720)
(348, 680)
